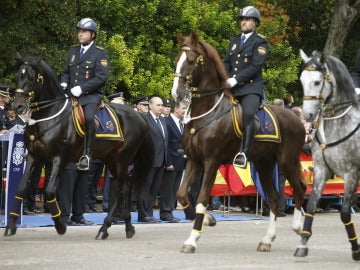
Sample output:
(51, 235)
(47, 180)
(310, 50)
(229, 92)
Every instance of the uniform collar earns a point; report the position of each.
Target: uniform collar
(87, 46)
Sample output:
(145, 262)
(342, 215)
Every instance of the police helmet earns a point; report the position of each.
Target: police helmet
(250, 12)
(87, 24)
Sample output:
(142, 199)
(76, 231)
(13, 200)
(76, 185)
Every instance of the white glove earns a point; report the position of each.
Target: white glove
(357, 90)
(231, 82)
(76, 91)
(63, 85)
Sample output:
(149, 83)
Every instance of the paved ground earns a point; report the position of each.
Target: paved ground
(229, 245)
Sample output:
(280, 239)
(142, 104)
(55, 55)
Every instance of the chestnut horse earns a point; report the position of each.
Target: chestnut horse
(210, 139)
(51, 137)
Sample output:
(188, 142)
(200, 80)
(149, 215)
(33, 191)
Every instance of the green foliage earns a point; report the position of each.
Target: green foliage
(140, 36)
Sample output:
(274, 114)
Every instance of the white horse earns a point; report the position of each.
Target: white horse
(331, 101)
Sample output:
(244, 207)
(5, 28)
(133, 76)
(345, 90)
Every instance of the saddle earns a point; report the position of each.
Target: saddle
(267, 127)
(106, 121)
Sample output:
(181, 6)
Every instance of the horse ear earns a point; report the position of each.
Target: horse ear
(41, 56)
(194, 38)
(304, 57)
(18, 55)
(180, 38)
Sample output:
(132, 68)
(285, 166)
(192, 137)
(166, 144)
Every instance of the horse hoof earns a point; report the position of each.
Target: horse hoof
(187, 249)
(302, 252)
(212, 221)
(10, 231)
(130, 233)
(60, 227)
(356, 255)
(262, 247)
(101, 236)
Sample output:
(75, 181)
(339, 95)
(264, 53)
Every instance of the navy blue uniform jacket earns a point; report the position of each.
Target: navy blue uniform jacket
(90, 72)
(245, 64)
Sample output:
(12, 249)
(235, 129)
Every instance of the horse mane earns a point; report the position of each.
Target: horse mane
(344, 82)
(341, 73)
(42, 68)
(214, 55)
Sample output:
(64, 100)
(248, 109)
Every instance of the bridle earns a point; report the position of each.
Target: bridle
(34, 106)
(192, 91)
(329, 111)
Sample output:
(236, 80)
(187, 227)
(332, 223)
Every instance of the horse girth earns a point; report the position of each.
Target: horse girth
(214, 117)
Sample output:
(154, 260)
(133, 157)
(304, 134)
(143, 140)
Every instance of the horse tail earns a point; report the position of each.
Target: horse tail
(142, 165)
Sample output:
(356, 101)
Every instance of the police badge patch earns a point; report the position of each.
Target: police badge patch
(261, 50)
(104, 62)
(18, 153)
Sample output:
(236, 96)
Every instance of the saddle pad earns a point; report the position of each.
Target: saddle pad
(269, 128)
(108, 128)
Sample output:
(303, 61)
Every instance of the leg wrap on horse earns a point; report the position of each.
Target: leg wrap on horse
(189, 212)
(350, 230)
(54, 208)
(17, 207)
(307, 225)
(199, 220)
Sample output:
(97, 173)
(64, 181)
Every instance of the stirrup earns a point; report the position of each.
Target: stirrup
(240, 160)
(84, 163)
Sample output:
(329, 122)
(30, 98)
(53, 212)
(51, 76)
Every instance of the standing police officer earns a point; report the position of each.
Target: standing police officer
(245, 57)
(86, 71)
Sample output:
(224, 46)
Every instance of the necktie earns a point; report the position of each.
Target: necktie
(181, 126)
(160, 126)
(82, 52)
(242, 40)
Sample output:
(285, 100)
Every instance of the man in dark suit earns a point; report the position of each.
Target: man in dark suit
(86, 71)
(72, 195)
(245, 57)
(175, 165)
(159, 135)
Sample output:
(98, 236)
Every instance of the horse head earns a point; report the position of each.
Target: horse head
(198, 67)
(33, 78)
(327, 85)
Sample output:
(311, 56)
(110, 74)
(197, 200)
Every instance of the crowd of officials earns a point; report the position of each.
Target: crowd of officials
(86, 71)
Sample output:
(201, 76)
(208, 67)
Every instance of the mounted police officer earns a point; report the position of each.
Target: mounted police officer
(86, 71)
(245, 57)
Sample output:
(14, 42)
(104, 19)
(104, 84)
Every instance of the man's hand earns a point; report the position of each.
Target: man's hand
(231, 82)
(357, 90)
(76, 91)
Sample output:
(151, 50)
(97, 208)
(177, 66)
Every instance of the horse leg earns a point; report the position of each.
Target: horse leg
(20, 194)
(192, 174)
(345, 214)
(125, 199)
(265, 170)
(319, 183)
(201, 217)
(50, 197)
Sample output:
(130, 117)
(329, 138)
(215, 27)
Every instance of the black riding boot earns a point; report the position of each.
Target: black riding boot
(84, 161)
(241, 158)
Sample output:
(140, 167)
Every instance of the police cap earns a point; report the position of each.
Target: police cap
(4, 90)
(166, 102)
(142, 100)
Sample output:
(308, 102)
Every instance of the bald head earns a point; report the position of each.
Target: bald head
(155, 105)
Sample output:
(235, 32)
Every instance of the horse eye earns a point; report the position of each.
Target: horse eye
(317, 83)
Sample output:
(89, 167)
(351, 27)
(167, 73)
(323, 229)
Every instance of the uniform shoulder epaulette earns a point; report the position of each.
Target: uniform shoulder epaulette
(261, 36)
(75, 45)
(100, 48)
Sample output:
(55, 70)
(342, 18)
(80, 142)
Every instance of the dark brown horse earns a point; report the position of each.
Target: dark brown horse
(210, 139)
(51, 137)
